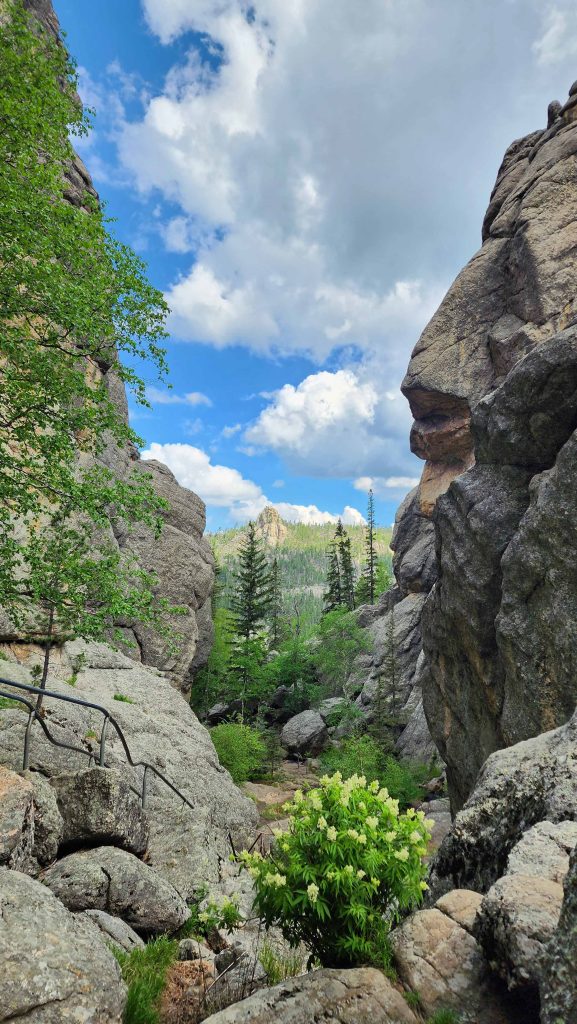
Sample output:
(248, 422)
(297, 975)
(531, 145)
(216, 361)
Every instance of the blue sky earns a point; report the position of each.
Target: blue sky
(304, 180)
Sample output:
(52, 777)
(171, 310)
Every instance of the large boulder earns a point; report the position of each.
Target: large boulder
(54, 967)
(305, 734)
(98, 807)
(48, 823)
(113, 930)
(16, 820)
(558, 977)
(515, 922)
(534, 781)
(437, 956)
(115, 881)
(360, 996)
(186, 846)
(492, 386)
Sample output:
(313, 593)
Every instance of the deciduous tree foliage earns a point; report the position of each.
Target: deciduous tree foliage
(75, 305)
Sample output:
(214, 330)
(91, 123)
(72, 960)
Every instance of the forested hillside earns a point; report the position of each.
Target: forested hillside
(302, 556)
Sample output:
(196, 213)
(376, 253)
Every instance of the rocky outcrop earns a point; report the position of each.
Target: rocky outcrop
(269, 527)
(16, 820)
(115, 881)
(181, 558)
(185, 846)
(558, 980)
(54, 966)
(99, 808)
(493, 388)
(114, 932)
(361, 996)
(533, 782)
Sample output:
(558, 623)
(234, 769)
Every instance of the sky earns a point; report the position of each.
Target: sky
(304, 179)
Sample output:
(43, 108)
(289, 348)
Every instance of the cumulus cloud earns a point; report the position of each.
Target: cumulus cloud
(558, 39)
(224, 487)
(336, 424)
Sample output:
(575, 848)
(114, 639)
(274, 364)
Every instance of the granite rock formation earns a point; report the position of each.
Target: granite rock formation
(269, 527)
(493, 389)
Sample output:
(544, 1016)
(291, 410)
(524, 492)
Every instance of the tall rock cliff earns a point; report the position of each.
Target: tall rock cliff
(181, 558)
(492, 385)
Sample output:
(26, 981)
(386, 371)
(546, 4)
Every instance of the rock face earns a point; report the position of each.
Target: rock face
(54, 967)
(185, 846)
(269, 527)
(16, 820)
(361, 996)
(114, 931)
(492, 386)
(117, 882)
(181, 557)
(98, 807)
(558, 980)
(534, 781)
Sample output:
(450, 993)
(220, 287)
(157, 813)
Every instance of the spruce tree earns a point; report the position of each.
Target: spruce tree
(370, 570)
(347, 572)
(333, 595)
(276, 606)
(250, 605)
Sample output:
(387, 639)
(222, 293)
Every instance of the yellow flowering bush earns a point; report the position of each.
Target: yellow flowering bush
(346, 870)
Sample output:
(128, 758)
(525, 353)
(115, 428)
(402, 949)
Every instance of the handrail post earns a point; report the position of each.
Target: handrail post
(144, 785)
(103, 741)
(26, 759)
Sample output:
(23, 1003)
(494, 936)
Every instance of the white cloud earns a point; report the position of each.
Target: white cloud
(224, 487)
(278, 483)
(216, 485)
(231, 431)
(193, 427)
(156, 395)
(558, 38)
(336, 424)
(384, 485)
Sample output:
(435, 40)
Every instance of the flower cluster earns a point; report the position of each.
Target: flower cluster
(349, 859)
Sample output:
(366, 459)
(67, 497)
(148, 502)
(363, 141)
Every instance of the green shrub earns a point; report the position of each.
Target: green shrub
(342, 875)
(364, 755)
(123, 698)
(240, 748)
(144, 971)
(201, 923)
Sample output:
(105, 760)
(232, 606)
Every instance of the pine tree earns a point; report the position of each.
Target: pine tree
(250, 606)
(333, 595)
(276, 607)
(347, 572)
(370, 569)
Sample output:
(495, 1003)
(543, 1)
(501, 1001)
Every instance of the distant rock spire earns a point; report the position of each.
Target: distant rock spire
(270, 527)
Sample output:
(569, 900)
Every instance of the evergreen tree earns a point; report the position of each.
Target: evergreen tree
(370, 570)
(333, 598)
(251, 601)
(276, 607)
(347, 573)
(340, 584)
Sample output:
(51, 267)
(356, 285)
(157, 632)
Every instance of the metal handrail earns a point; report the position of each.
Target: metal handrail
(33, 716)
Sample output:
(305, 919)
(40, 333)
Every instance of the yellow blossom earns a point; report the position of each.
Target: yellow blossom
(410, 812)
(332, 833)
(423, 886)
(402, 854)
(362, 806)
(298, 797)
(322, 823)
(415, 837)
(374, 786)
(315, 801)
(372, 822)
(361, 873)
(349, 869)
(352, 832)
(390, 836)
(362, 839)
(376, 882)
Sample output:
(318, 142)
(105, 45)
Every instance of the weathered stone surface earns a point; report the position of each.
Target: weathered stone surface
(114, 880)
(443, 962)
(48, 823)
(544, 851)
(361, 996)
(461, 905)
(399, 627)
(305, 733)
(515, 921)
(558, 982)
(186, 846)
(114, 931)
(99, 808)
(534, 781)
(269, 527)
(16, 820)
(54, 968)
(494, 378)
